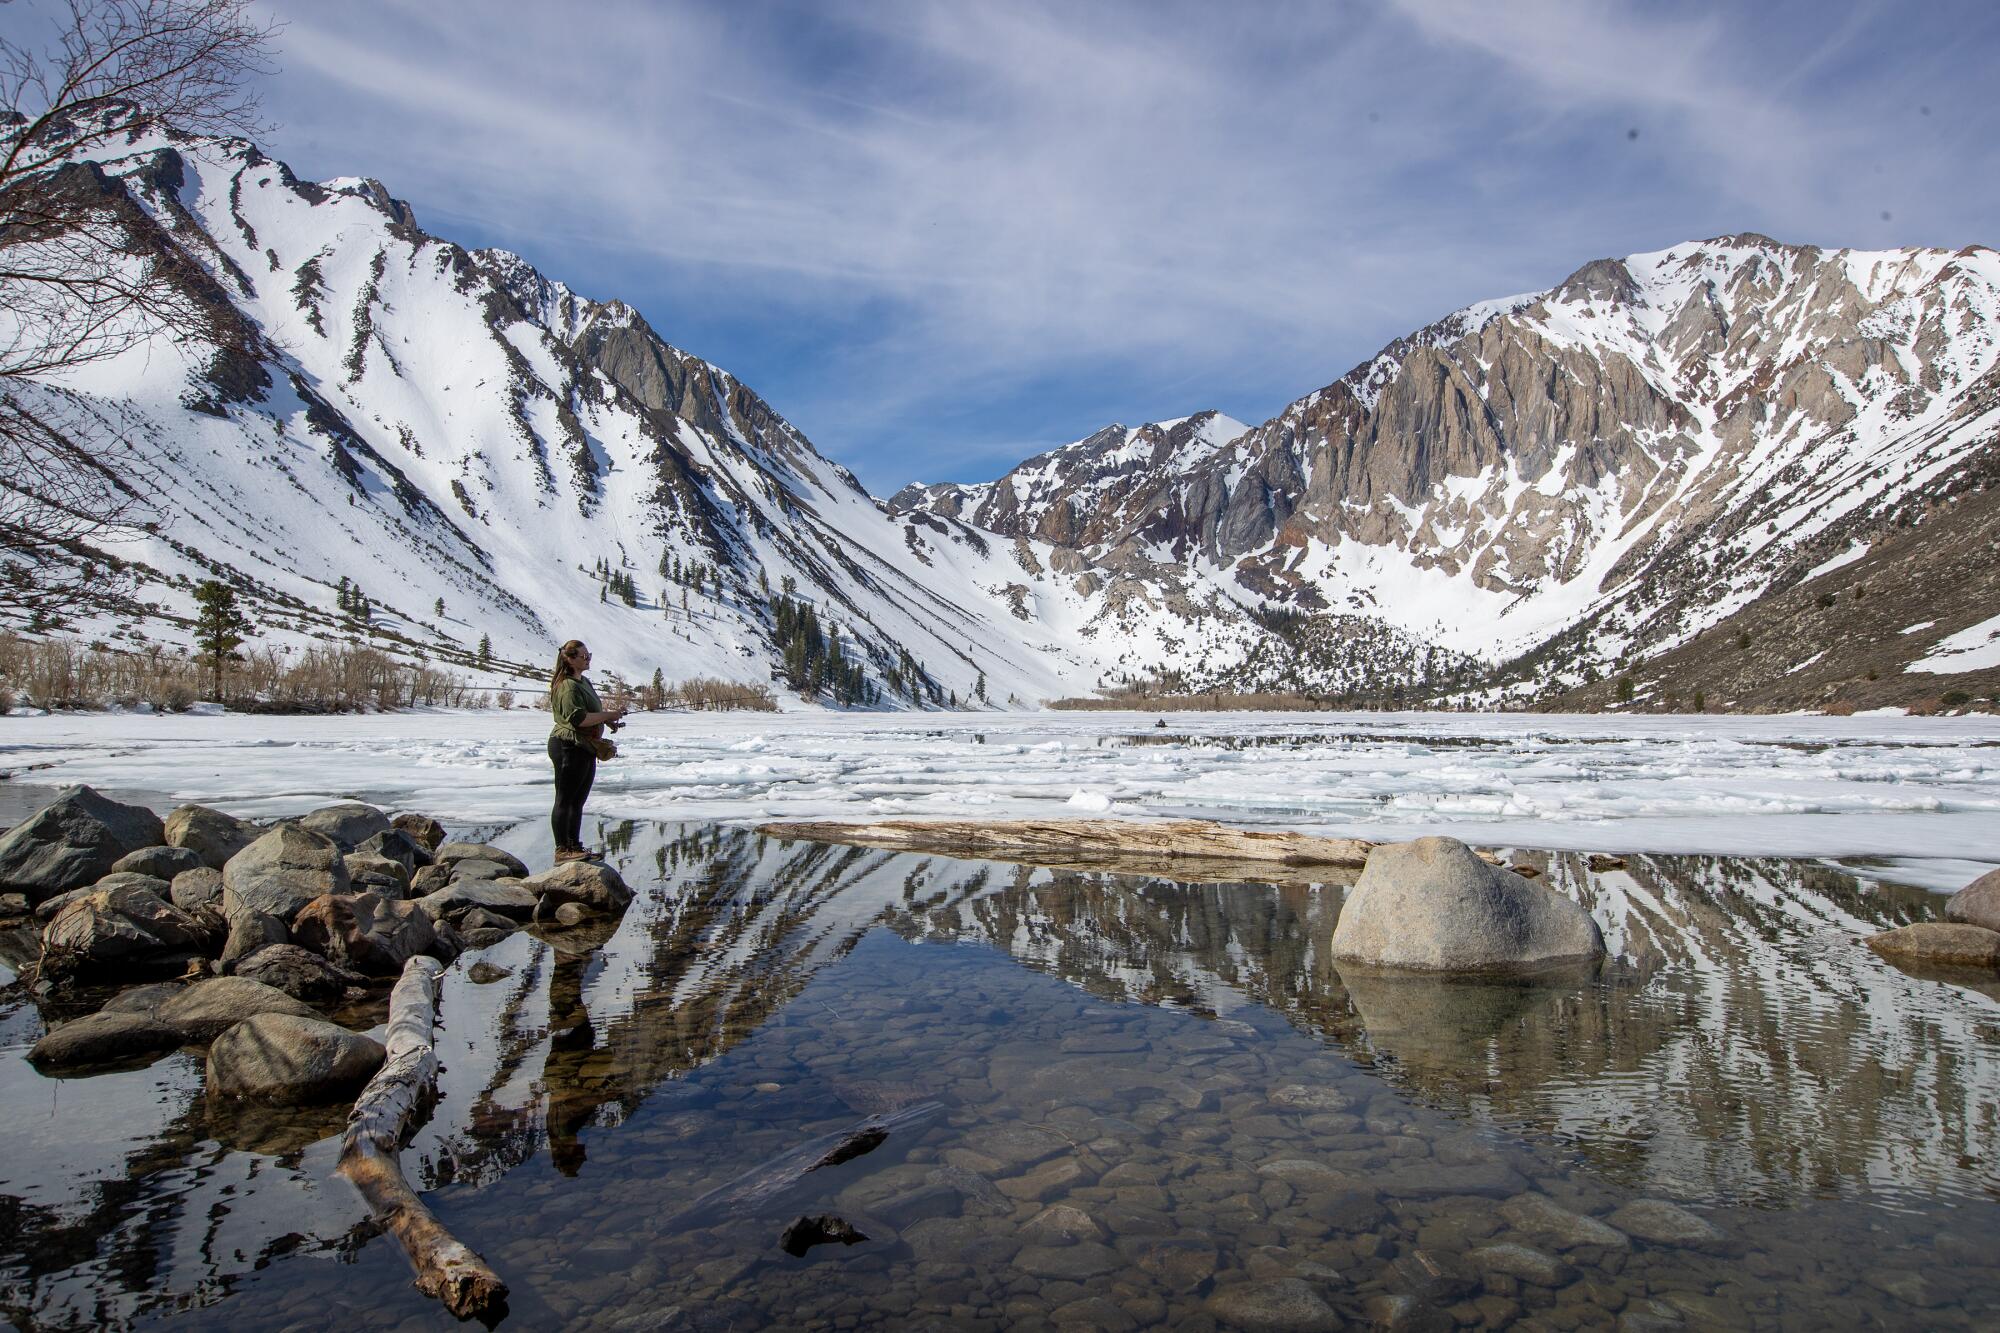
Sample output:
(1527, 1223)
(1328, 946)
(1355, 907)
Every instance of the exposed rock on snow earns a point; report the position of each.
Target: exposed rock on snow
(72, 842)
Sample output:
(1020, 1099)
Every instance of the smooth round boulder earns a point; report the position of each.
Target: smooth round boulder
(288, 1060)
(198, 888)
(425, 831)
(1433, 906)
(1939, 944)
(104, 1038)
(595, 887)
(209, 834)
(72, 842)
(299, 973)
(162, 862)
(1977, 904)
(207, 1009)
(284, 870)
(249, 931)
(451, 853)
(347, 825)
(145, 999)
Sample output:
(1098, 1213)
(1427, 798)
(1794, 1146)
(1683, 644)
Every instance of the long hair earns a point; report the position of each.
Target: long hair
(565, 669)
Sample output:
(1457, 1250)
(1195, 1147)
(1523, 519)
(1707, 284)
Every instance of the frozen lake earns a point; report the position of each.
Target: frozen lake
(1919, 795)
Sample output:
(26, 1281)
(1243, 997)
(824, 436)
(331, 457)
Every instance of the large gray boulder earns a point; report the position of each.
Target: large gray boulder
(595, 888)
(348, 824)
(367, 933)
(162, 862)
(103, 1039)
(117, 879)
(209, 834)
(72, 842)
(110, 933)
(288, 1060)
(284, 870)
(451, 854)
(207, 1009)
(1977, 904)
(249, 931)
(198, 888)
(1433, 906)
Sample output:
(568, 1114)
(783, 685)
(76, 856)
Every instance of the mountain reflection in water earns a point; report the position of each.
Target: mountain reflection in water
(1744, 1049)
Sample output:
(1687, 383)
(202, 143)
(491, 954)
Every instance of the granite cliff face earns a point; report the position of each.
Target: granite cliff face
(1593, 474)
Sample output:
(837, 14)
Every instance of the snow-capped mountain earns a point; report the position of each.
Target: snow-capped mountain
(1599, 471)
(1578, 481)
(372, 407)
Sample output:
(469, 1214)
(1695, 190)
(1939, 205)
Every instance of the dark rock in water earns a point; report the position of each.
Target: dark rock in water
(198, 888)
(478, 918)
(503, 897)
(450, 854)
(160, 862)
(483, 973)
(347, 825)
(209, 834)
(1939, 944)
(1288, 1304)
(399, 847)
(72, 842)
(377, 874)
(422, 829)
(285, 1059)
(1432, 906)
(249, 930)
(284, 870)
(104, 1039)
(207, 1009)
(825, 1229)
(1977, 904)
(109, 931)
(145, 999)
(1664, 1223)
(1524, 1263)
(598, 888)
(371, 934)
(299, 973)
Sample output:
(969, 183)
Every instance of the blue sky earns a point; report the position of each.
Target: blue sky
(941, 236)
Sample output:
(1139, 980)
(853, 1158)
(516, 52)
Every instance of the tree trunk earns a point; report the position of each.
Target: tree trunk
(395, 1102)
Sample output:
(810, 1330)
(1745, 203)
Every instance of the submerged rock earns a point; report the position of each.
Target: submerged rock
(285, 1059)
(1663, 1223)
(284, 870)
(1288, 1304)
(824, 1229)
(104, 1038)
(72, 842)
(1939, 944)
(209, 834)
(1433, 906)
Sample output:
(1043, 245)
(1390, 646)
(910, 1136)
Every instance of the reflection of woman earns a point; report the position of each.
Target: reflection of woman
(580, 717)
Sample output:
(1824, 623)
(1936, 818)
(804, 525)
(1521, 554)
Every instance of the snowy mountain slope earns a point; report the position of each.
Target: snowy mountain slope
(375, 405)
(1599, 471)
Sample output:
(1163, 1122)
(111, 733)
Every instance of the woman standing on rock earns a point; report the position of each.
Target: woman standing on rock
(574, 746)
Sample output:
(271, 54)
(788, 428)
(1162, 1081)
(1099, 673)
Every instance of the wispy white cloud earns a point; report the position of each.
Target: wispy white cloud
(929, 230)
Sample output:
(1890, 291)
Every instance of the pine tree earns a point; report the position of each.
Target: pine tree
(485, 650)
(219, 627)
(439, 608)
(979, 686)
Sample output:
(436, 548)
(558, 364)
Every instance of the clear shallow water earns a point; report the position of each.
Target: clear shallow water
(1233, 1118)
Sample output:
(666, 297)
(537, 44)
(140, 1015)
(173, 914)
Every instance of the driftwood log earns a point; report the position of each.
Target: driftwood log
(1198, 840)
(389, 1110)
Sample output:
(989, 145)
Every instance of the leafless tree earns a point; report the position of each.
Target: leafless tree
(82, 278)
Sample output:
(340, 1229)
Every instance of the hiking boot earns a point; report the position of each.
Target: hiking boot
(568, 854)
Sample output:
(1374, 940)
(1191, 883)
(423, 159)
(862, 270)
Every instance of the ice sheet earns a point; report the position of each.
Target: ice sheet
(1922, 794)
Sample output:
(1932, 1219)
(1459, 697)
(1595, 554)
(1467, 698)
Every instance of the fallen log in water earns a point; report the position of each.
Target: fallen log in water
(389, 1110)
(761, 1184)
(1018, 839)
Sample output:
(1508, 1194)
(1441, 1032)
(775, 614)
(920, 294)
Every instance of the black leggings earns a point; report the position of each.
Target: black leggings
(576, 769)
